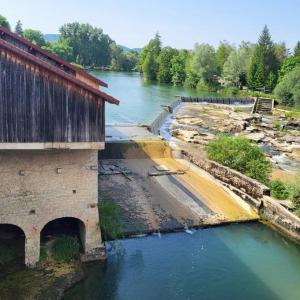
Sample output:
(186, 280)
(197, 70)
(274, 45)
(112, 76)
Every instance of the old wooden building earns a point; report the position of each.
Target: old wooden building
(52, 125)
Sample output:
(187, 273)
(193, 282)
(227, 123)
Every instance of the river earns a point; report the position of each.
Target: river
(140, 102)
(244, 261)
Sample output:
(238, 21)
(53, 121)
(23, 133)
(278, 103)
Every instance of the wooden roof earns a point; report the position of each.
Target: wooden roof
(11, 43)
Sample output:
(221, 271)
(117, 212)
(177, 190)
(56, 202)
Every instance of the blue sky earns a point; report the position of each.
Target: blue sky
(181, 23)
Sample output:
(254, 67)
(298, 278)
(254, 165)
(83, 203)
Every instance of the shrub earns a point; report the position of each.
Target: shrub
(240, 154)
(109, 220)
(65, 248)
(280, 190)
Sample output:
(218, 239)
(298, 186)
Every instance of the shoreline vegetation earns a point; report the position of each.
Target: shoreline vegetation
(264, 68)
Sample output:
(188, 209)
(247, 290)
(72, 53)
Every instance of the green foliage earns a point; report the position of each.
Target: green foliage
(281, 51)
(148, 58)
(43, 254)
(178, 67)
(263, 62)
(240, 154)
(18, 28)
(90, 46)
(288, 90)
(279, 189)
(289, 64)
(34, 36)
(222, 55)
(61, 49)
(109, 220)
(4, 22)
(121, 60)
(297, 49)
(203, 64)
(7, 254)
(65, 248)
(164, 60)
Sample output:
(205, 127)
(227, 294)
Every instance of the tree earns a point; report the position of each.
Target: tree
(203, 64)
(34, 36)
(297, 49)
(164, 74)
(240, 154)
(282, 52)
(264, 61)
(121, 60)
(61, 49)
(18, 29)
(289, 64)
(90, 46)
(178, 67)
(4, 22)
(148, 58)
(222, 54)
(288, 89)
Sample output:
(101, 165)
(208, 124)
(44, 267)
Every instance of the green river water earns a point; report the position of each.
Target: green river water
(242, 261)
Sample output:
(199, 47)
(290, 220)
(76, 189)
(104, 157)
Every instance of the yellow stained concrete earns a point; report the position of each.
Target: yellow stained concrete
(215, 197)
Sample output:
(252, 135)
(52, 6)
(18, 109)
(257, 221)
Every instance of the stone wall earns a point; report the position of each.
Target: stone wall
(229, 176)
(37, 187)
(279, 217)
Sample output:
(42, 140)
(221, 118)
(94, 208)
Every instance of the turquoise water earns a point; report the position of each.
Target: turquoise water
(244, 261)
(140, 101)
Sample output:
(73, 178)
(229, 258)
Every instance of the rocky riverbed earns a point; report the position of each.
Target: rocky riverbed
(195, 124)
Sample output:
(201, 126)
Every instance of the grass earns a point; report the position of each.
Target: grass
(109, 220)
(65, 248)
(291, 112)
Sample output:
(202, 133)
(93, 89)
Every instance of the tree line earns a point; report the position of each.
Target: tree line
(264, 66)
(82, 44)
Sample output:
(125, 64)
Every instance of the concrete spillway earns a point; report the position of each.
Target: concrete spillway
(167, 201)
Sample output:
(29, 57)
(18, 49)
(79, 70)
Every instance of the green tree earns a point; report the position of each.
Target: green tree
(203, 65)
(34, 36)
(4, 22)
(61, 49)
(164, 74)
(288, 89)
(222, 54)
(90, 46)
(148, 58)
(240, 154)
(121, 60)
(297, 49)
(18, 28)
(289, 64)
(282, 52)
(178, 68)
(237, 65)
(263, 62)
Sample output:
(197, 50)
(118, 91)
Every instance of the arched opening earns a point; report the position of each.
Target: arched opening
(12, 247)
(61, 229)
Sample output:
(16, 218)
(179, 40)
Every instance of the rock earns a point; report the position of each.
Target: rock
(256, 136)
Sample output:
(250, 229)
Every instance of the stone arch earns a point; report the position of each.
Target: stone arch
(13, 243)
(64, 226)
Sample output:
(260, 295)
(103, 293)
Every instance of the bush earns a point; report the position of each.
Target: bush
(280, 190)
(240, 154)
(65, 248)
(109, 220)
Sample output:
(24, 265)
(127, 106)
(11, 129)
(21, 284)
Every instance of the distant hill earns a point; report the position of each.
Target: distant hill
(126, 49)
(51, 37)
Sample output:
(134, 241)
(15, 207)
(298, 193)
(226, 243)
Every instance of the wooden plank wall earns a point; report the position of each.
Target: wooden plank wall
(34, 108)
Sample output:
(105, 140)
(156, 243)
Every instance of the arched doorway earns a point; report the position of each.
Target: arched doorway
(67, 227)
(12, 246)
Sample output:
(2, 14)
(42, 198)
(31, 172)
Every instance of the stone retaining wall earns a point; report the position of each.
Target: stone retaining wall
(229, 176)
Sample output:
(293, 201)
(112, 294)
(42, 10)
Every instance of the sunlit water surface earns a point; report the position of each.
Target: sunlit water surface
(244, 261)
(140, 102)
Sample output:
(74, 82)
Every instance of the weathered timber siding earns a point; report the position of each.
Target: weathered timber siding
(37, 108)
